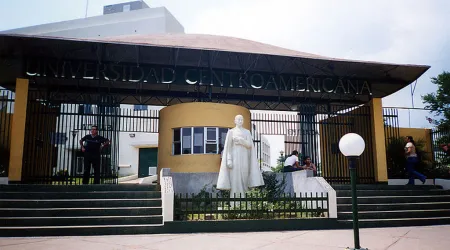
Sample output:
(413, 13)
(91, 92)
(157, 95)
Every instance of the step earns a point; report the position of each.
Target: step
(79, 203)
(386, 187)
(68, 212)
(404, 222)
(360, 193)
(395, 199)
(80, 221)
(375, 215)
(80, 230)
(392, 207)
(81, 195)
(78, 188)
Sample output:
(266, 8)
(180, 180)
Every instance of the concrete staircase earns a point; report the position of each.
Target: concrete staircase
(51, 210)
(392, 205)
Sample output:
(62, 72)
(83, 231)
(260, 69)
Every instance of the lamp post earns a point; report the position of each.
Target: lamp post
(352, 146)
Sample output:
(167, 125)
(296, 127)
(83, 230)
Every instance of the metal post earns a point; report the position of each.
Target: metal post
(353, 180)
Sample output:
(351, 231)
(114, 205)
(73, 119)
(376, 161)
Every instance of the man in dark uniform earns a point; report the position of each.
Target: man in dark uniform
(92, 145)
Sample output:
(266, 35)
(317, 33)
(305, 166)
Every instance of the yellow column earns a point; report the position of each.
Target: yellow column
(18, 130)
(379, 145)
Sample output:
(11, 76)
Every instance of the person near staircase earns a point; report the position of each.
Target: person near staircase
(412, 160)
(91, 146)
(446, 150)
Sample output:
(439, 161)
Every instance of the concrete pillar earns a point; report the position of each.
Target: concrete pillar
(18, 130)
(378, 140)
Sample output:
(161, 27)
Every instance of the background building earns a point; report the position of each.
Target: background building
(138, 149)
(132, 18)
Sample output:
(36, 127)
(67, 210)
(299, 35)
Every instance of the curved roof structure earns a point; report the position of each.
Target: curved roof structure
(210, 42)
(208, 53)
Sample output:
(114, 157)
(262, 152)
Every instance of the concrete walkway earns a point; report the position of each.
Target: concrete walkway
(410, 238)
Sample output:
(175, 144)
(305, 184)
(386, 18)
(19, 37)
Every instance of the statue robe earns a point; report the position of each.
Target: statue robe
(244, 172)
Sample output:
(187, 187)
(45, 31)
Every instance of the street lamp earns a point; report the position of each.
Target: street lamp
(352, 146)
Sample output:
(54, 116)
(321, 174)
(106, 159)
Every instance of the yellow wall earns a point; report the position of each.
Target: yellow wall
(200, 114)
(418, 134)
(379, 143)
(18, 130)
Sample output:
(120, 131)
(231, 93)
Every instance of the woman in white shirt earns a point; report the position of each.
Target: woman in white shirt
(412, 160)
(291, 163)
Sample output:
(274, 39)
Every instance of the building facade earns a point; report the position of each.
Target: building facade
(139, 20)
(56, 101)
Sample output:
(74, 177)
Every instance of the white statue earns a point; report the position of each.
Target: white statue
(239, 168)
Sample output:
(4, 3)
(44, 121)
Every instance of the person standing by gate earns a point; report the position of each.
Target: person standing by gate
(91, 146)
(446, 150)
(412, 160)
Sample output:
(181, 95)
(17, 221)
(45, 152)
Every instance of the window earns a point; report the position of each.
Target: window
(85, 109)
(126, 8)
(211, 141)
(198, 140)
(186, 140)
(176, 141)
(139, 107)
(222, 136)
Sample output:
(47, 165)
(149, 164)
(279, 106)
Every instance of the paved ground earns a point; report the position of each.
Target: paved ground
(409, 238)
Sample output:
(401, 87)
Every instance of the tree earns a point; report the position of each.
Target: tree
(280, 164)
(439, 102)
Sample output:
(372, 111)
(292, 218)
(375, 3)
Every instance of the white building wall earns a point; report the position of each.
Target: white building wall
(129, 150)
(138, 22)
(265, 152)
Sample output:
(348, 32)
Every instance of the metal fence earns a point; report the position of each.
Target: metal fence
(6, 114)
(441, 159)
(52, 152)
(335, 121)
(192, 207)
(315, 130)
(391, 124)
(434, 161)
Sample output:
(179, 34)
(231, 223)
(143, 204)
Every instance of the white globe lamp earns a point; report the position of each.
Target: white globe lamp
(352, 146)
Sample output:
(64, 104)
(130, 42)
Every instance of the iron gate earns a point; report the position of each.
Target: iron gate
(440, 159)
(314, 130)
(52, 153)
(6, 114)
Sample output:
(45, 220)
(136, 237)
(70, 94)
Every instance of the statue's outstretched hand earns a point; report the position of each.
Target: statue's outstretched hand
(229, 163)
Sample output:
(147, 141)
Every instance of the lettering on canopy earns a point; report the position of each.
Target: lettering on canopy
(160, 74)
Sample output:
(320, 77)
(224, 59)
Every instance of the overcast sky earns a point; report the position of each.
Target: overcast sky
(402, 31)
